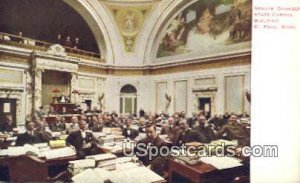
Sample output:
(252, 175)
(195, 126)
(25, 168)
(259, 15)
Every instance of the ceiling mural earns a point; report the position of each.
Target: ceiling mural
(129, 20)
(208, 27)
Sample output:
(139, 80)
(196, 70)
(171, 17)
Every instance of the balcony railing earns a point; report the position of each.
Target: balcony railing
(32, 44)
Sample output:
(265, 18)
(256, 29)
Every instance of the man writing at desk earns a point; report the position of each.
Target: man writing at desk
(84, 142)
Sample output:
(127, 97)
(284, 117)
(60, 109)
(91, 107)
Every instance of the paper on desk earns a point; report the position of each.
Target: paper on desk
(136, 175)
(225, 142)
(4, 152)
(126, 166)
(41, 145)
(87, 175)
(99, 134)
(101, 157)
(123, 159)
(58, 153)
(22, 150)
(222, 162)
(55, 134)
(11, 138)
(83, 163)
(102, 174)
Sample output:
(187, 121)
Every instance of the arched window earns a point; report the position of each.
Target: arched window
(128, 99)
(128, 89)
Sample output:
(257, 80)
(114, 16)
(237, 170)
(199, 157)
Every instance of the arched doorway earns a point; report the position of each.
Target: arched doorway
(128, 99)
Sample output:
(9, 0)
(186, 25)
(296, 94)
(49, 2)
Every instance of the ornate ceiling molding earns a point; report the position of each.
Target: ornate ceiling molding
(129, 18)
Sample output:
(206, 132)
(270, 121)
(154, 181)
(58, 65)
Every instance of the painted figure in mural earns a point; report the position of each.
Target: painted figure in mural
(240, 26)
(203, 25)
(176, 34)
(130, 22)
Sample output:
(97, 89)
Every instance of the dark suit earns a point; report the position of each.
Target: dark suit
(44, 136)
(132, 133)
(187, 136)
(171, 132)
(205, 132)
(26, 138)
(97, 127)
(142, 113)
(158, 142)
(236, 131)
(5, 127)
(58, 127)
(75, 139)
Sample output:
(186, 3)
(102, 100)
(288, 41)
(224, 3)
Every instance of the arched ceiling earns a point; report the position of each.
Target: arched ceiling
(44, 20)
(131, 32)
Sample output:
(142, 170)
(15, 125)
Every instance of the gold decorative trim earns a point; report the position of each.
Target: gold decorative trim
(129, 20)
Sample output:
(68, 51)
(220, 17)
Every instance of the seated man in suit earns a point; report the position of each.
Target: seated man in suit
(96, 124)
(7, 126)
(84, 142)
(29, 137)
(143, 145)
(73, 126)
(171, 129)
(58, 125)
(41, 132)
(204, 130)
(186, 134)
(129, 132)
(236, 131)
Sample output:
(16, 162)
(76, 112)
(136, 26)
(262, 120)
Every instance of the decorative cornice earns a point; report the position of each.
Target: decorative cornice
(189, 64)
(39, 54)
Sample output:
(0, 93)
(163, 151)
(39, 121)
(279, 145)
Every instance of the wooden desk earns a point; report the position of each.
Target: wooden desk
(70, 108)
(203, 172)
(32, 169)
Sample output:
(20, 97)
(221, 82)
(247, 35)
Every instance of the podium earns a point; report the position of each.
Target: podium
(70, 108)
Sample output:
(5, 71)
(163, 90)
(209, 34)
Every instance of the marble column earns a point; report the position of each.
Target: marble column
(37, 88)
(74, 86)
(29, 94)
